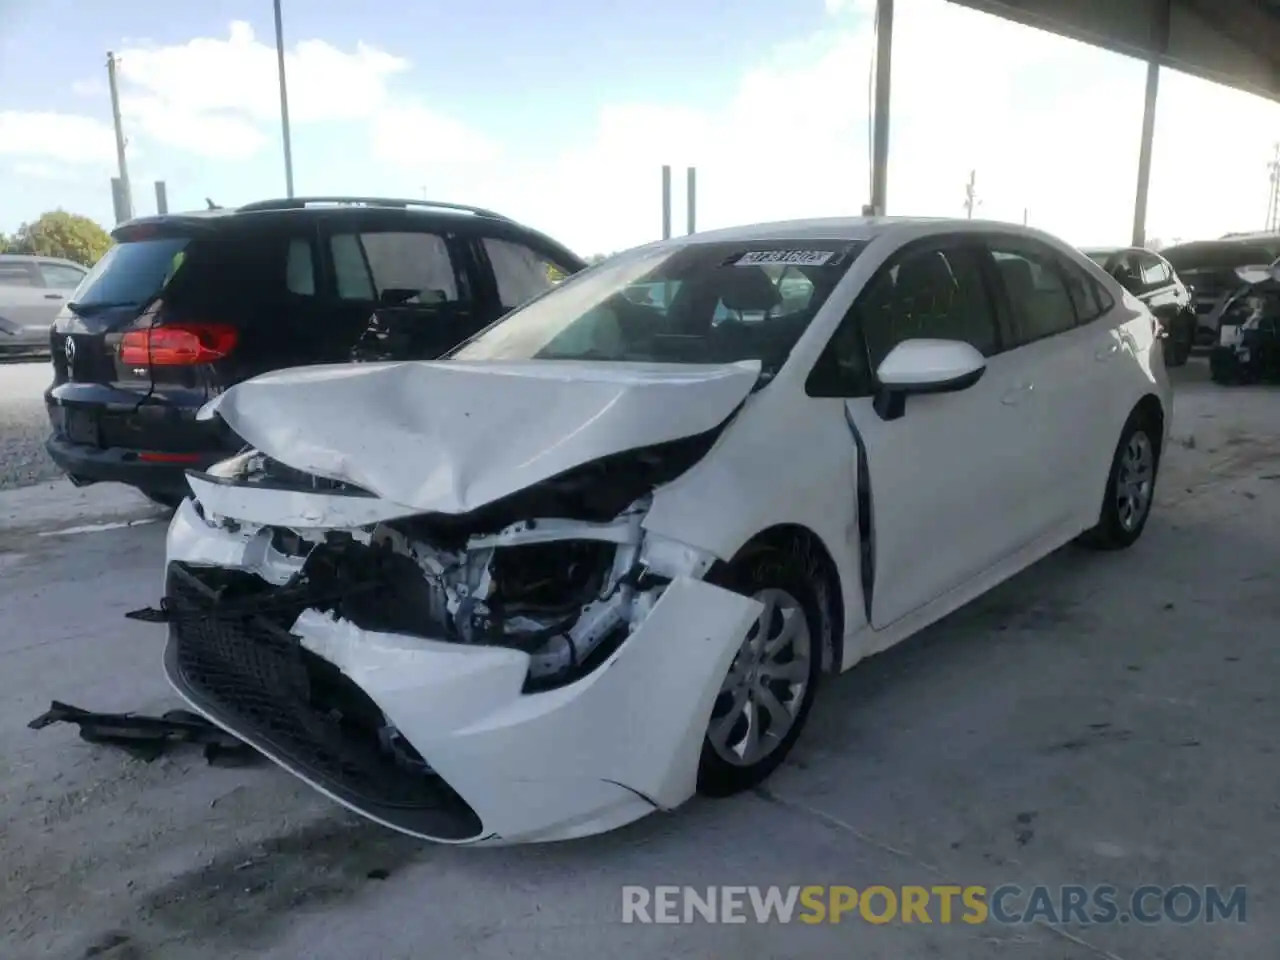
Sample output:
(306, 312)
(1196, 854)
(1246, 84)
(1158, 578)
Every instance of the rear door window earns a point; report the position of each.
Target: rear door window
(1155, 273)
(520, 272)
(60, 276)
(1035, 285)
(367, 265)
(17, 275)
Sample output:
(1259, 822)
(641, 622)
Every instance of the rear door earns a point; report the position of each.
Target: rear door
(405, 286)
(23, 301)
(1062, 338)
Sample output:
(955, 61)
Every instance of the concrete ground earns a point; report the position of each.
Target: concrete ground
(1100, 719)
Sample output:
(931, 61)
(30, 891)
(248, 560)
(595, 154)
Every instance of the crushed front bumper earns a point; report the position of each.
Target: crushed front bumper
(501, 765)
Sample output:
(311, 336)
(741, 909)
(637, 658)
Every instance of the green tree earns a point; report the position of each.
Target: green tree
(62, 234)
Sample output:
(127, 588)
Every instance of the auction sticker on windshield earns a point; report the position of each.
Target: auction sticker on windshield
(802, 258)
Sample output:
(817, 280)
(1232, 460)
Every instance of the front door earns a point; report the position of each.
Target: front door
(951, 488)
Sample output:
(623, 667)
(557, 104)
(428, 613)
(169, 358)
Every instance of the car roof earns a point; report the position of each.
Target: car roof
(37, 258)
(301, 206)
(330, 206)
(901, 229)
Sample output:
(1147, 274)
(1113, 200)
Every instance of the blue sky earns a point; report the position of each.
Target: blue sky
(562, 114)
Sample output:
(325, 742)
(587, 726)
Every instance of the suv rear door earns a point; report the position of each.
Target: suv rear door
(22, 296)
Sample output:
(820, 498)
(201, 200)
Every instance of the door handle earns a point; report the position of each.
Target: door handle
(54, 296)
(1017, 394)
(1106, 353)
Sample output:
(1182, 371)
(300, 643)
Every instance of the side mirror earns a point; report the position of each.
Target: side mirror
(925, 366)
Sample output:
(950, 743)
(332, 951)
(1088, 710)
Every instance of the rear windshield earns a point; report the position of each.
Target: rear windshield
(700, 303)
(131, 273)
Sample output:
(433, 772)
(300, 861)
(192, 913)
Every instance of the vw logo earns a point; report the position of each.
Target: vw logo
(69, 348)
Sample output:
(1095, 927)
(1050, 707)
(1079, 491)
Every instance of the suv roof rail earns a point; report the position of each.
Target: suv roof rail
(300, 203)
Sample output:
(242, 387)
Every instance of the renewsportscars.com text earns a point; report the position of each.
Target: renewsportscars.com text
(1007, 904)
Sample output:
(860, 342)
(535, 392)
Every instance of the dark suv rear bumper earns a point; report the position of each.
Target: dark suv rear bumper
(88, 464)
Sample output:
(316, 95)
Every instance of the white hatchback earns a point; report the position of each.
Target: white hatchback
(600, 556)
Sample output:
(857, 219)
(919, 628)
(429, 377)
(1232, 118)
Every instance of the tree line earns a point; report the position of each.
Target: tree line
(58, 233)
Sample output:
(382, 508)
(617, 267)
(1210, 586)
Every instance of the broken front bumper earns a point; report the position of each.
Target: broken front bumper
(505, 766)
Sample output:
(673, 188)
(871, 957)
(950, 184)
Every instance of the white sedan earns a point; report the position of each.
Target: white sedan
(600, 557)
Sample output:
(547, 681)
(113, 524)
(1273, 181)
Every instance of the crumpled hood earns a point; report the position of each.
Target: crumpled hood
(451, 436)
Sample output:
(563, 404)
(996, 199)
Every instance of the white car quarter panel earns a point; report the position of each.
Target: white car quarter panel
(533, 766)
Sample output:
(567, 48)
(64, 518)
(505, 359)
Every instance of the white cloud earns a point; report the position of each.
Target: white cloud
(1051, 127)
(89, 88)
(57, 136)
(411, 136)
(218, 97)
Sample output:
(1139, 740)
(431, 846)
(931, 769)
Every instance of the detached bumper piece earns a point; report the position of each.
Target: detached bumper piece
(249, 674)
(148, 737)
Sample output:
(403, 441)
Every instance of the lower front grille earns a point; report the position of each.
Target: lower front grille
(252, 675)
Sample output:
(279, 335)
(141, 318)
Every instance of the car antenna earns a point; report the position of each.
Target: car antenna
(212, 205)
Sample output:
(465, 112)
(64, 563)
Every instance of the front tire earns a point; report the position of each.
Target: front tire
(1131, 486)
(768, 692)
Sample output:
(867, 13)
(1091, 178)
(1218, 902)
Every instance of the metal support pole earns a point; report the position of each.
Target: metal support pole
(1159, 45)
(691, 199)
(284, 105)
(162, 198)
(666, 202)
(118, 203)
(124, 198)
(880, 121)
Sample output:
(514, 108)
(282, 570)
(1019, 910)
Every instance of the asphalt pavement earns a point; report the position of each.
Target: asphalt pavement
(1099, 719)
(23, 424)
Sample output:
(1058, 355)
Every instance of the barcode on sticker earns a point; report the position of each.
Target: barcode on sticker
(803, 258)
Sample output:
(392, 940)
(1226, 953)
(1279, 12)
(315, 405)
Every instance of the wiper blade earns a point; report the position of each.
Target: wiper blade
(86, 308)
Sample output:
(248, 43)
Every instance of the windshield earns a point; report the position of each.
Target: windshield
(130, 273)
(700, 303)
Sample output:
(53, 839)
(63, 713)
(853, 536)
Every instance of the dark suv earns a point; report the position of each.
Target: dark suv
(1152, 279)
(186, 305)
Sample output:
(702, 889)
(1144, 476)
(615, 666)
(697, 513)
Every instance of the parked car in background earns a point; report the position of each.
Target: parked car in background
(1152, 279)
(32, 291)
(1208, 268)
(1248, 347)
(186, 305)
(606, 552)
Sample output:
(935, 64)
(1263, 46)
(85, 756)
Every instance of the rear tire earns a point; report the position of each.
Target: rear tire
(766, 697)
(1131, 486)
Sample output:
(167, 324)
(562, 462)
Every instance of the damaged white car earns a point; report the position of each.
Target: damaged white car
(599, 557)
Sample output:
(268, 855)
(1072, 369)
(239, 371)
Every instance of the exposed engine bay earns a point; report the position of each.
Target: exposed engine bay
(565, 591)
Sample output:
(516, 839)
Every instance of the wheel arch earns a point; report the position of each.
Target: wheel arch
(806, 548)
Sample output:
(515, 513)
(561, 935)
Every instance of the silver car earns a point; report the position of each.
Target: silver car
(32, 291)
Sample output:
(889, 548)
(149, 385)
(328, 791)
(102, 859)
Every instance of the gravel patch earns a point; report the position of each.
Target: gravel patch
(24, 425)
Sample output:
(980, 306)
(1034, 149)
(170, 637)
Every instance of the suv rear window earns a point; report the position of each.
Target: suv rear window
(208, 269)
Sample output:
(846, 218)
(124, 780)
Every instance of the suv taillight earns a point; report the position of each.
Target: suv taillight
(178, 344)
